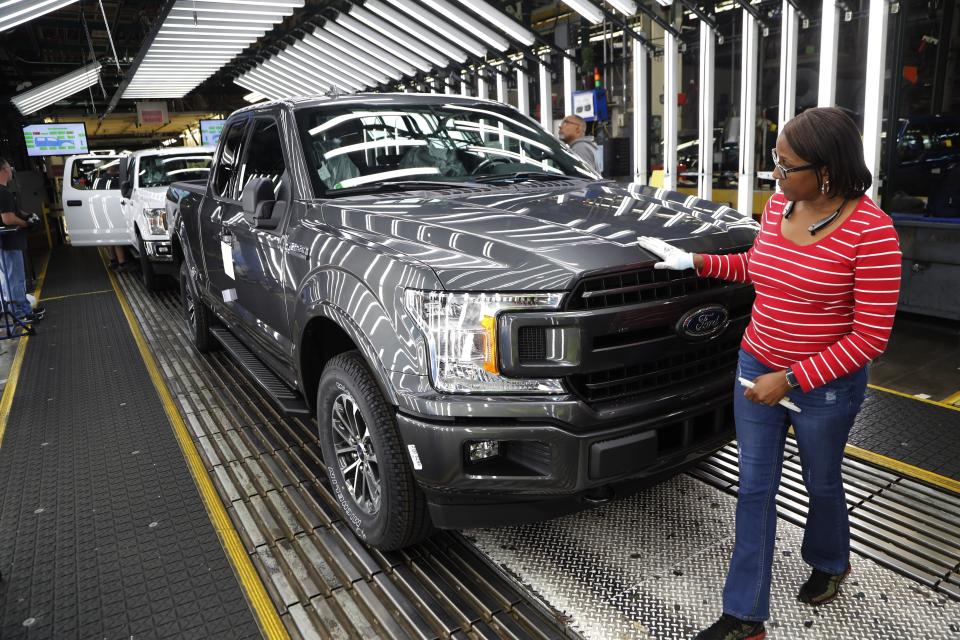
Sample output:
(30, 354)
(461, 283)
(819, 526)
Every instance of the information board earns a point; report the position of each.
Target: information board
(56, 139)
(210, 131)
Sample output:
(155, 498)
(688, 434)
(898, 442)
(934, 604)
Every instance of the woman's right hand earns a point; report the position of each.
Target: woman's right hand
(672, 257)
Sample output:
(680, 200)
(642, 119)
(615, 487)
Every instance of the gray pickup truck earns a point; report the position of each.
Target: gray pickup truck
(461, 304)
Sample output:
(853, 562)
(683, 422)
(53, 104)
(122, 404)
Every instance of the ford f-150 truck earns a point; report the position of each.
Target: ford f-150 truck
(462, 305)
(144, 179)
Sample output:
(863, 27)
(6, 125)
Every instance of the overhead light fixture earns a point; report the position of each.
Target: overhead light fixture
(323, 55)
(467, 23)
(16, 12)
(49, 92)
(393, 16)
(197, 38)
(587, 10)
(628, 7)
(500, 20)
(387, 58)
(442, 27)
(662, 3)
(254, 96)
(423, 49)
(381, 42)
(356, 53)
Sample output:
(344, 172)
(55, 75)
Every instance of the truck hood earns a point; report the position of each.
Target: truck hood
(151, 197)
(537, 236)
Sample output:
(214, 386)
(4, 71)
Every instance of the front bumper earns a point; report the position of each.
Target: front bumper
(545, 470)
(160, 254)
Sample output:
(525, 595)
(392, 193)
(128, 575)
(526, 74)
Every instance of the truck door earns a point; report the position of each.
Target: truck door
(222, 202)
(259, 257)
(91, 201)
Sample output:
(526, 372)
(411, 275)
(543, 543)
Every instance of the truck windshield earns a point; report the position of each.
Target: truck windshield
(456, 142)
(160, 171)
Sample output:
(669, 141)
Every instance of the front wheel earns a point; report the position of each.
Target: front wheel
(196, 313)
(366, 462)
(150, 279)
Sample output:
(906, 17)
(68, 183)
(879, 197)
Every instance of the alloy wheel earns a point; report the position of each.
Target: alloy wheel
(356, 458)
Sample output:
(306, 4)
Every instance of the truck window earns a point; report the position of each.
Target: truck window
(95, 174)
(264, 157)
(160, 171)
(223, 179)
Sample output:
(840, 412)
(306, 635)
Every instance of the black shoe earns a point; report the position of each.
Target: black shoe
(731, 628)
(38, 312)
(821, 587)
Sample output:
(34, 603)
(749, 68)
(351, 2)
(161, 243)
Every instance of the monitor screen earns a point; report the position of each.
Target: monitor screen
(210, 131)
(56, 139)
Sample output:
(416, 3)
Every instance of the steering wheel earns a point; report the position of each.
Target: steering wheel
(488, 162)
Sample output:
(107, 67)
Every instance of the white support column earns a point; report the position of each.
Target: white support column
(569, 82)
(707, 59)
(464, 84)
(748, 114)
(447, 86)
(502, 86)
(523, 92)
(483, 90)
(545, 85)
(829, 31)
(640, 128)
(873, 98)
(788, 64)
(670, 70)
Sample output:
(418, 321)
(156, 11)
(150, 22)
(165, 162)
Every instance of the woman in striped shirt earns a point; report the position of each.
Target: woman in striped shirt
(826, 270)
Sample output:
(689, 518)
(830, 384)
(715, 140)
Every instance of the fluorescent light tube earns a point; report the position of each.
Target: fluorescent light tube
(442, 27)
(626, 7)
(586, 9)
(500, 20)
(57, 89)
(422, 49)
(467, 23)
(16, 12)
(384, 43)
(426, 36)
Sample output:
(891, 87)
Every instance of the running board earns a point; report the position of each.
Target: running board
(288, 400)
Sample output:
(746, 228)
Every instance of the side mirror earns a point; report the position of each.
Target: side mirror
(126, 188)
(258, 202)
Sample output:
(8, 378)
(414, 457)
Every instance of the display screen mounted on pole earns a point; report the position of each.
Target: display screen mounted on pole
(210, 131)
(57, 139)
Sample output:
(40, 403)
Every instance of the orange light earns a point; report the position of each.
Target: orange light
(489, 324)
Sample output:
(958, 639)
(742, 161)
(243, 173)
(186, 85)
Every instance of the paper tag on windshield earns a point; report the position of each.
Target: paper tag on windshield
(226, 250)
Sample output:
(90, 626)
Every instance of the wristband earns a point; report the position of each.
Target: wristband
(792, 379)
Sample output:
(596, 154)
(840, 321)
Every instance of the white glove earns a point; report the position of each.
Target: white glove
(673, 257)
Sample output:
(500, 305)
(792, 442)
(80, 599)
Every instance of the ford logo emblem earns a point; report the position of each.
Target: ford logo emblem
(703, 322)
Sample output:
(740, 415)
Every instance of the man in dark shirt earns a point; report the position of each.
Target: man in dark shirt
(14, 243)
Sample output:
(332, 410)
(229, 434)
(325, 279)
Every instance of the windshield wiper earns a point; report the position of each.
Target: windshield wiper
(396, 185)
(523, 175)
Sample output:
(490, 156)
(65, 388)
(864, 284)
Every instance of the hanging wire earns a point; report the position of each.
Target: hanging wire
(106, 25)
(93, 55)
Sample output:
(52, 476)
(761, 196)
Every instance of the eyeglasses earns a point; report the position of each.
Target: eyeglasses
(785, 171)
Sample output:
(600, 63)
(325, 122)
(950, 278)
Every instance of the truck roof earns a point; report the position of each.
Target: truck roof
(169, 151)
(381, 99)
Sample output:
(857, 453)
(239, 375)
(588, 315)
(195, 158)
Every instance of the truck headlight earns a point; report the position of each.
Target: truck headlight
(156, 221)
(461, 333)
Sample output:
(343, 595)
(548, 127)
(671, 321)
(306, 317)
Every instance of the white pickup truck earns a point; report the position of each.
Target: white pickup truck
(120, 200)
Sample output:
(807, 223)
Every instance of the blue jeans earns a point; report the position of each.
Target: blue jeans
(15, 284)
(821, 429)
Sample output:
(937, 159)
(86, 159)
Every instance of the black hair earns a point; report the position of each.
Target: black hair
(3, 162)
(827, 137)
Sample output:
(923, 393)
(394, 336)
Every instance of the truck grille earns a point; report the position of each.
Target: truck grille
(623, 384)
(641, 285)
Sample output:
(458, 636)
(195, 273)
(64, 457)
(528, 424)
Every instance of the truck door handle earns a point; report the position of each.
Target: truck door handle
(74, 203)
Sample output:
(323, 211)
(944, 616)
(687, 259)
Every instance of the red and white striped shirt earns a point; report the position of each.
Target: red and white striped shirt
(825, 309)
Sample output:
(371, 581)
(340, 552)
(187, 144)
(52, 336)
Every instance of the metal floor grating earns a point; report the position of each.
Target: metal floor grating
(902, 524)
(324, 582)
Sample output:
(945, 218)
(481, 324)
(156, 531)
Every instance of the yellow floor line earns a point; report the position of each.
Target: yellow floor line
(75, 295)
(6, 402)
(943, 404)
(904, 469)
(253, 587)
(952, 400)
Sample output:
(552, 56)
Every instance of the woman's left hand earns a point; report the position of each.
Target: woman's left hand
(769, 390)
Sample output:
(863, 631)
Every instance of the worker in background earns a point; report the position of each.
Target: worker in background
(572, 131)
(14, 244)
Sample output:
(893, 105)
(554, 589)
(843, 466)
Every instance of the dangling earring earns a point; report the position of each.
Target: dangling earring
(825, 187)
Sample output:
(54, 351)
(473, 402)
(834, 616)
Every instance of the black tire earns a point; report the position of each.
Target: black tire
(197, 315)
(400, 517)
(150, 279)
